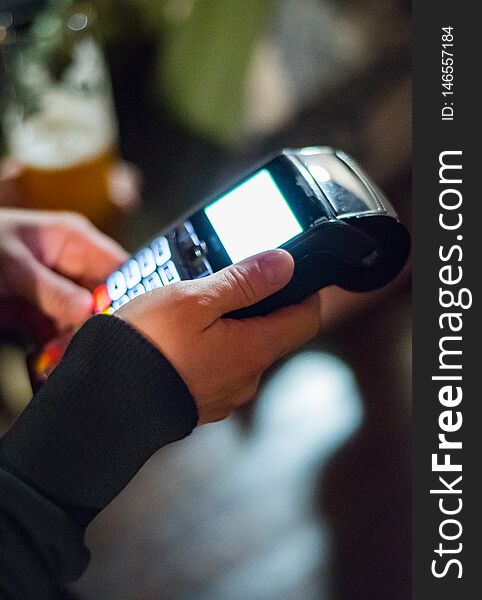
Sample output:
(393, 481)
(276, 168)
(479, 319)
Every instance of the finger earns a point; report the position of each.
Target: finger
(279, 333)
(64, 301)
(84, 252)
(244, 283)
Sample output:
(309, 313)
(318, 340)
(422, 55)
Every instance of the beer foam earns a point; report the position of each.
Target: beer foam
(66, 131)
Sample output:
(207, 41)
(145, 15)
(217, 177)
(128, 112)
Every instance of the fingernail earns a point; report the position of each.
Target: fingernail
(276, 266)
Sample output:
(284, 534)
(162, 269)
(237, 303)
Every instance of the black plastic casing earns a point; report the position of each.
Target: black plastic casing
(356, 242)
(351, 236)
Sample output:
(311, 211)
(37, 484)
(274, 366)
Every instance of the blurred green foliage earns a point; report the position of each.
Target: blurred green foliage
(205, 51)
(205, 63)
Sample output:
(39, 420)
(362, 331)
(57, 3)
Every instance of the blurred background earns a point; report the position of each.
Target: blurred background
(132, 111)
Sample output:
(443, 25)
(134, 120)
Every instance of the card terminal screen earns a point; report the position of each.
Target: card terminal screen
(253, 217)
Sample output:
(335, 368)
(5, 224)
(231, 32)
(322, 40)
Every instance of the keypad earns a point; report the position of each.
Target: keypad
(149, 269)
(168, 273)
(132, 273)
(152, 281)
(116, 285)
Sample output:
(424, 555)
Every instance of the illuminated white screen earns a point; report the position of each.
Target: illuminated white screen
(253, 217)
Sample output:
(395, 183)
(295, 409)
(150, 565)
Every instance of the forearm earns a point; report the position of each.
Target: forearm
(110, 404)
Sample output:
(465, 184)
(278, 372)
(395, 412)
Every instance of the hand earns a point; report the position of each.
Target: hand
(48, 263)
(221, 360)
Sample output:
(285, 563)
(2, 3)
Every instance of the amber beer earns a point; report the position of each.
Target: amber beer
(82, 187)
(67, 152)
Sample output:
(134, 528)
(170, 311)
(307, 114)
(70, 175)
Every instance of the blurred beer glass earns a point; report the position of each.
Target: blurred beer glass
(59, 119)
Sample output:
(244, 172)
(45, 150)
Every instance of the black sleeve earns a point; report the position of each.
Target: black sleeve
(109, 405)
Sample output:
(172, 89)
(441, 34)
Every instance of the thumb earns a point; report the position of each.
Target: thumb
(61, 299)
(247, 282)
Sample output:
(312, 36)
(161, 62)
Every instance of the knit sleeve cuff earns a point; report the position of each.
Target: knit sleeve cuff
(113, 400)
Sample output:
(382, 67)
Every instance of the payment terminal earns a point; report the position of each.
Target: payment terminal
(315, 202)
